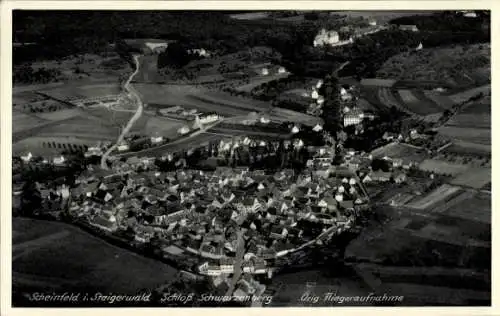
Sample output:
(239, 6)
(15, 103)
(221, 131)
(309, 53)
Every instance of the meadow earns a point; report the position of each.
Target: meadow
(83, 260)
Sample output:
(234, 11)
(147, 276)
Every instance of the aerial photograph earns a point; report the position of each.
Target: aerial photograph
(251, 158)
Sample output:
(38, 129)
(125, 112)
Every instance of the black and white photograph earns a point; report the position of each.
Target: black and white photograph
(250, 158)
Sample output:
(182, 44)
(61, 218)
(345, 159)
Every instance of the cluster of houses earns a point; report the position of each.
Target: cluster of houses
(265, 71)
(203, 212)
(333, 38)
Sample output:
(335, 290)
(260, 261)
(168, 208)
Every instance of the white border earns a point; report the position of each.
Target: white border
(6, 137)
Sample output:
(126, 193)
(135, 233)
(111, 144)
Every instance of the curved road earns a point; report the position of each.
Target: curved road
(133, 119)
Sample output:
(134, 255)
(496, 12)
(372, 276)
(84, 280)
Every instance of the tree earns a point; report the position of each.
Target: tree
(31, 199)
(331, 107)
(176, 56)
(380, 164)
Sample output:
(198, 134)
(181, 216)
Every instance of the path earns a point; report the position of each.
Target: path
(133, 119)
(341, 67)
(240, 252)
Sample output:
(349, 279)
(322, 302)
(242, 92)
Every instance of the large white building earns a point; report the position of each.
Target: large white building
(209, 118)
(156, 47)
(353, 117)
(325, 37)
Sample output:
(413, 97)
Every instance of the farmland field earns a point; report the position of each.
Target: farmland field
(381, 16)
(20, 98)
(250, 16)
(387, 98)
(416, 102)
(370, 94)
(364, 105)
(70, 92)
(293, 116)
(80, 259)
(254, 82)
(475, 209)
(407, 96)
(478, 120)
(299, 92)
(107, 117)
(474, 135)
(468, 148)
(162, 126)
(80, 126)
(189, 96)
(60, 115)
(466, 95)
(482, 106)
(398, 150)
(475, 178)
(225, 99)
(443, 101)
(22, 121)
(434, 197)
(442, 167)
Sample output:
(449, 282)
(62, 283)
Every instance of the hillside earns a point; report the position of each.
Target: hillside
(460, 65)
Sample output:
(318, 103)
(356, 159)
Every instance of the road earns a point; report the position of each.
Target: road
(341, 67)
(240, 252)
(133, 119)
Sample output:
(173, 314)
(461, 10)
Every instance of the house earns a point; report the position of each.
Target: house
(469, 14)
(123, 147)
(155, 47)
(213, 270)
(259, 265)
(218, 202)
(211, 251)
(348, 204)
(183, 130)
(227, 265)
(142, 237)
(58, 161)
(106, 223)
(339, 196)
(267, 253)
(392, 136)
(156, 139)
(397, 162)
(354, 117)
(193, 246)
(399, 177)
(325, 37)
(328, 202)
(201, 52)
(325, 219)
(271, 213)
(249, 205)
(322, 204)
(380, 176)
(278, 232)
(317, 128)
(248, 267)
(314, 94)
(203, 267)
(412, 28)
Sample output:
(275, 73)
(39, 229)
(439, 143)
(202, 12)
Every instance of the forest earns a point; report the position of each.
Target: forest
(63, 33)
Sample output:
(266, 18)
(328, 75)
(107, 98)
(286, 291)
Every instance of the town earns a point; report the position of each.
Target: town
(240, 166)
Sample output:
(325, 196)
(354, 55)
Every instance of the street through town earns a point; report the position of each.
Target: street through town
(238, 269)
